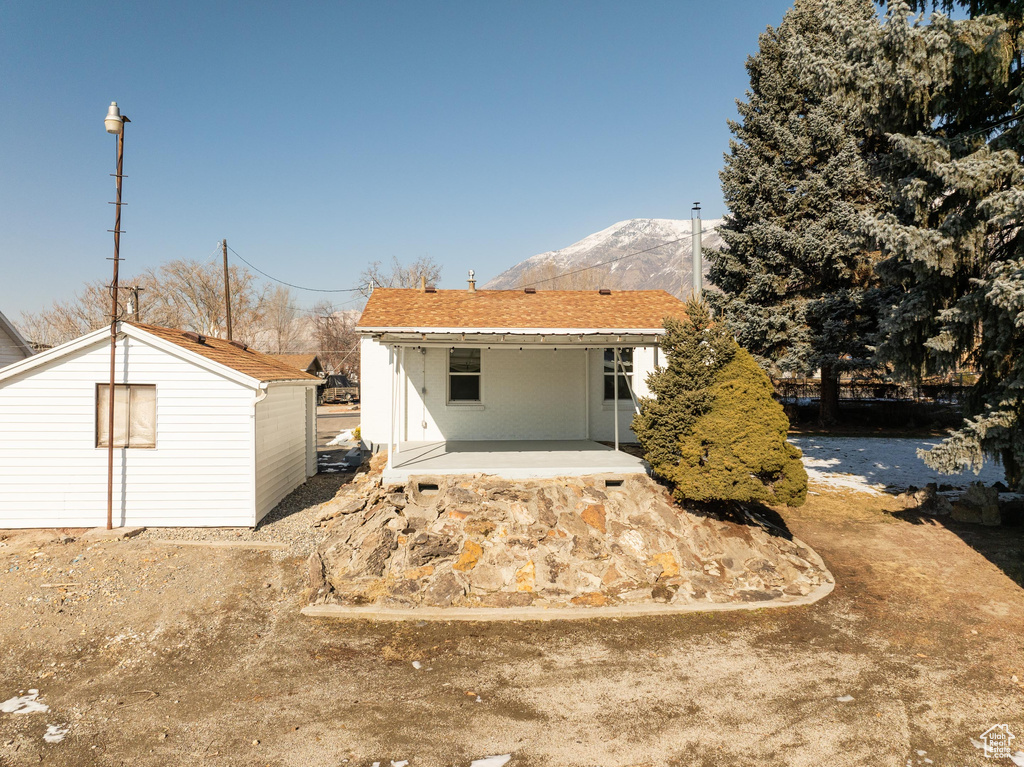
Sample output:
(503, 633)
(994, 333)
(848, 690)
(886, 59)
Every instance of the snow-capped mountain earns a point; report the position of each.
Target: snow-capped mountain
(665, 265)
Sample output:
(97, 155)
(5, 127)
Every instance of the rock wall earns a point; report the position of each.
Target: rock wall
(488, 542)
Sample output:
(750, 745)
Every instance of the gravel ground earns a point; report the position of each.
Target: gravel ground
(290, 522)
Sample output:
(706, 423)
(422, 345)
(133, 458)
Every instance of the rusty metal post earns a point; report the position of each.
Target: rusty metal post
(113, 329)
(227, 287)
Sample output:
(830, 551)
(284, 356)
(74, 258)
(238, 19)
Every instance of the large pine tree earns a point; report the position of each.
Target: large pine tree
(798, 281)
(947, 97)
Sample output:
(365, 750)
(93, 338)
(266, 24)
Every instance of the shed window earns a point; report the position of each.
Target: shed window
(134, 415)
(626, 365)
(464, 375)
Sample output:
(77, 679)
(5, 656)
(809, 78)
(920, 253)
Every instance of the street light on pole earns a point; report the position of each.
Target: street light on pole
(114, 122)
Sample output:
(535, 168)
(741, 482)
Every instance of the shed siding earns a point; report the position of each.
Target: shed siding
(529, 394)
(53, 475)
(281, 424)
(10, 351)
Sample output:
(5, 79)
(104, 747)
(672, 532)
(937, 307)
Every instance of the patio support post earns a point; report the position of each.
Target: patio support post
(586, 390)
(391, 424)
(615, 395)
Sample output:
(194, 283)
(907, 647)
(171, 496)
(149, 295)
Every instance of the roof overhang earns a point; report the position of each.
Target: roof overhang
(519, 338)
(18, 338)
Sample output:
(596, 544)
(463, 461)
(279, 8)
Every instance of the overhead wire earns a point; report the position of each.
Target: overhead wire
(289, 284)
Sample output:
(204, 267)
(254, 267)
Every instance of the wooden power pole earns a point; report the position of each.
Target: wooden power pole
(227, 287)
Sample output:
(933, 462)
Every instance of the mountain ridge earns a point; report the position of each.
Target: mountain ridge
(614, 257)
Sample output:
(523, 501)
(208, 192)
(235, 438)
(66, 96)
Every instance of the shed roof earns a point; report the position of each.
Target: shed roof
(300, 361)
(250, 362)
(392, 308)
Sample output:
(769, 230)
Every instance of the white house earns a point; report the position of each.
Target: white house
(207, 432)
(13, 348)
(519, 383)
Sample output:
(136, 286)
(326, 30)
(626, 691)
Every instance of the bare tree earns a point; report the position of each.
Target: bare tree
(337, 342)
(399, 275)
(65, 320)
(280, 332)
(179, 294)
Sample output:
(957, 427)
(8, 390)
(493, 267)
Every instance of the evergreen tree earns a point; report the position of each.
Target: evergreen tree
(713, 428)
(946, 95)
(798, 284)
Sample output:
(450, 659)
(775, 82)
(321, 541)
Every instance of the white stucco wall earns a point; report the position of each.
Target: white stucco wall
(53, 475)
(529, 394)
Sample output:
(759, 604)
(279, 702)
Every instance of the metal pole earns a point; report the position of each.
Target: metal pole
(615, 396)
(113, 331)
(697, 266)
(227, 286)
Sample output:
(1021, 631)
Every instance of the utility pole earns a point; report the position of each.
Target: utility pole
(227, 286)
(114, 122)
(134, 303)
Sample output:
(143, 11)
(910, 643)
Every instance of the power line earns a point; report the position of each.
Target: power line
(289, 284)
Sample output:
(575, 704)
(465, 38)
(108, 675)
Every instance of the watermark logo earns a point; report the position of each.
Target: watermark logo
(996, 742)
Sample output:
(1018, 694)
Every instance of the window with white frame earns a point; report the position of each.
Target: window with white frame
(134, 415)
(464, 375)
(625, 373)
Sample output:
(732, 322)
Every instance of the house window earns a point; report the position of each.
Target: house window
(625, 364)
(134, 415)
(464, 375)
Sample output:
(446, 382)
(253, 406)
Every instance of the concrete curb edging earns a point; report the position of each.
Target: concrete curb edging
(251, 545)
(489, 614)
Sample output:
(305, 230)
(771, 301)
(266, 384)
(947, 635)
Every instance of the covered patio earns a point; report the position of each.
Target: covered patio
(520, 384)
(513, 459)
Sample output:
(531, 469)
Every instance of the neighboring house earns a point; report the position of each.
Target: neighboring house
(207, 432)
(308, 363)
(518, 383)
(13, 348)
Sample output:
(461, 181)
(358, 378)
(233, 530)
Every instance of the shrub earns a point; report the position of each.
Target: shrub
(712, 428)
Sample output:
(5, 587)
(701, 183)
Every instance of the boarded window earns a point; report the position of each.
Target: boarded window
(134, 415)
(464, 375)
(625, 372)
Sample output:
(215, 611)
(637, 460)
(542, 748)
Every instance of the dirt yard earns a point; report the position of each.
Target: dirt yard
(158, 654)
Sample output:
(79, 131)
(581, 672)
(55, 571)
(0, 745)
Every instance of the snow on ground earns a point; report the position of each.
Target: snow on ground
(25, 704)
(55, 733)
(873, 464)
(345, 436)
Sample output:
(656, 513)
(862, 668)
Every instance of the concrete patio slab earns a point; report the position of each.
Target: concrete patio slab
(520, 459)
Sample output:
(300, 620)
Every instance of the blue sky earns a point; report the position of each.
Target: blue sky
(318, 136)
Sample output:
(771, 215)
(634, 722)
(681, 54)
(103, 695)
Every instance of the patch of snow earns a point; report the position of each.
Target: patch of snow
(402, 763)
(417, 665)
(346, 435)
(1017, 758)
(492, 761)
(55, 733)
(26, 704)
(872, 464)
(845, 698)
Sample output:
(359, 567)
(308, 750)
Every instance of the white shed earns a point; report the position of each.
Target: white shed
(519, 383)
(13, 348)
(208, 433)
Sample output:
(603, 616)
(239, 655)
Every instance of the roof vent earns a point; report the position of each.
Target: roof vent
(430, 289)
(605, 291)
(194, 337)
(239, 345)
(531, 291)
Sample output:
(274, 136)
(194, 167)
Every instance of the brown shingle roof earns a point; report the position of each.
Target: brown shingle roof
(300, 361)
(511, 309)
(252, 363)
